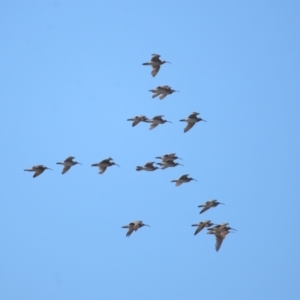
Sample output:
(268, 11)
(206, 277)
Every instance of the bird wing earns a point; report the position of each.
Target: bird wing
(155, 57)
(38, 172)
(178, 183)
(135, 122)
(185, 176)
(155, 70)
(65, 169)
(129, 232)
(205, 208)
(219, 241)
(162, 96)
(188, 126)
(200, 227)
(164, 87)
(70, 158)
(156, 94)
(158, 117)
(193, 115)
(102, 169)
(153, 125)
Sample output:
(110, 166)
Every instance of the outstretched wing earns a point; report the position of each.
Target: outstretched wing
(155, 69)
(65, 169)
(102, 169)
(188, 126)
(153, 125)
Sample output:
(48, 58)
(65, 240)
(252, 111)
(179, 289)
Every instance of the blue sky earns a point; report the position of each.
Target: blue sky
(72, 74)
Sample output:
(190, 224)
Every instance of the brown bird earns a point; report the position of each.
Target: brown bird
(168, 163)
(191, 120)
(156, 121)
(134, 226)
(147, 167)
(169, 156)
(155, 63)
(182, 179)
(202, 225)
(68, 163)
(220, 235)
(163, 91)
(102, 165)
(38, 169)
(209, 204)
(136, 120)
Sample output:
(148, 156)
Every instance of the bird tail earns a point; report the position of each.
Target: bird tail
(28, 170)
(59, 163)
(146, 64)
(94, 165)
(138, 168)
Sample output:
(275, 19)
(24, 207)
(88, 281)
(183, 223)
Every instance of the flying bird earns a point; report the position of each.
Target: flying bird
(38, 170)
(155, 62)
(102, 165)
(183, 179)
(68, 163)
(209, 204)
(134, 226)
(191, 120)
(162, 91)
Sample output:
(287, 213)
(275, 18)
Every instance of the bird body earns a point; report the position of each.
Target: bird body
(134, 226)
(191, 120)
(38, 170)
(183, 179)
(171, 156)
(147, 167)
(155, 62)
(68, 163)
(209, 204)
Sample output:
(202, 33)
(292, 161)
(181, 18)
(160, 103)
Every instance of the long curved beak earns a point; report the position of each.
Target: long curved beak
(181, 165)
(168, 62)
(79, 163)
(117, 165)
(177, 91)
(221, 203)
(49, 169)
(204, 121)
(194, 179)
(169, 122)
(147, 225)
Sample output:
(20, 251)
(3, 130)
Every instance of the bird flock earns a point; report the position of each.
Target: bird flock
(168, 160)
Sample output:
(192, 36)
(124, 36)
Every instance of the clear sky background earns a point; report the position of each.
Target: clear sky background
(72, 74)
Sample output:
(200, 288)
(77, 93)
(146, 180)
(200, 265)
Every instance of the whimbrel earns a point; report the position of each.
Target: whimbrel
(183, 179)
(168, 163)
(209, 204)
(170, 156)
(163, 91)
(68, 163)
(136, 120)
(155, 63)
(38, 169)
(220, 235)
(134, 226)
(201, 225)
(102, 165)
(147, 167)
(156, 121)
(191, 120)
